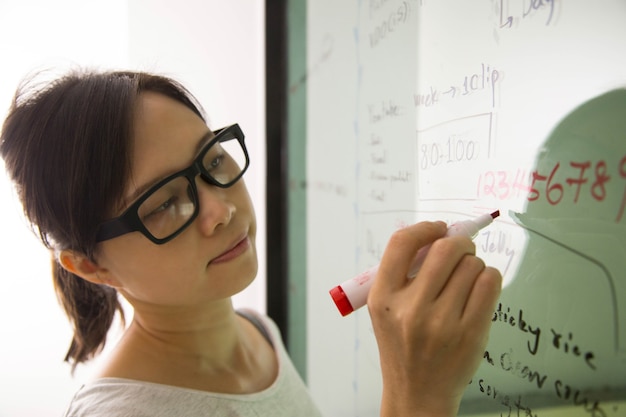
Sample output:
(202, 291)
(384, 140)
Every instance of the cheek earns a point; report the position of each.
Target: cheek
(149, 273)
(162, 283)
(245, 205)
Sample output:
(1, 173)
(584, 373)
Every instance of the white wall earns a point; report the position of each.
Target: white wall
(214, 47)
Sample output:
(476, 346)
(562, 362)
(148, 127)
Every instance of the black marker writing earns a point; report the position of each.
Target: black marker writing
(518, 321)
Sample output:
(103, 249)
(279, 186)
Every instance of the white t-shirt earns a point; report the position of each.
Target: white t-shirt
(117, 397)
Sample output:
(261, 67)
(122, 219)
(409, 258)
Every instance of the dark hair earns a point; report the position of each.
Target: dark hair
(67, 147)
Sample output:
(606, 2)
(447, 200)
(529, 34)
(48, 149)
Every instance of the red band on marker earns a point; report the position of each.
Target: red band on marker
(341, 300)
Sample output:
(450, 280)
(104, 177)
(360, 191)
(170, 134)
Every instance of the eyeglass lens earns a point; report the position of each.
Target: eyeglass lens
(168, 208)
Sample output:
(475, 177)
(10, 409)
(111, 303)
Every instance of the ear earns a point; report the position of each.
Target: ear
(79, 264)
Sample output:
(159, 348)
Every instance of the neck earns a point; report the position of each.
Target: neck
(207, 333)
(208, 347)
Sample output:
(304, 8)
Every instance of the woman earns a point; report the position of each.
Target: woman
(125, 183)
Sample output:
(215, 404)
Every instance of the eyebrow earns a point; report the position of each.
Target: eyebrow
(206, 138)
(127, 201)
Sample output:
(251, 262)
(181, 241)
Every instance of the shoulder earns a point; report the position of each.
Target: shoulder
(119, 397)
(107, 397)
(264, 323)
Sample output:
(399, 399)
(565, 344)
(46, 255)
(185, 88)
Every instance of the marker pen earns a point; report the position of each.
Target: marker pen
(352, 294)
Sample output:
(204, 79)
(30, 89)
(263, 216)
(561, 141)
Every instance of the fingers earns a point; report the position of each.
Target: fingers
(452, 280)
(458, 281)
(440, 263)
(457, 290)
(401, 250)
(483, 297)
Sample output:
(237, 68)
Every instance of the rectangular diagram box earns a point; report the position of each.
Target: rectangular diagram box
(451, 155)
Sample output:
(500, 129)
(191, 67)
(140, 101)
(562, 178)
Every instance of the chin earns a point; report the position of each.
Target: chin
(246, 274)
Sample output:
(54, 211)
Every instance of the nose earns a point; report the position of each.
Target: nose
(215, 208)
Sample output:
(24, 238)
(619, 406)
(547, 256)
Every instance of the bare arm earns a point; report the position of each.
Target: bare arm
(432, 330)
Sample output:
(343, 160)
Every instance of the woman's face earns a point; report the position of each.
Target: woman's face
(214, 257)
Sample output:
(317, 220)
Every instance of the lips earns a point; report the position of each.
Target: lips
(240, 247)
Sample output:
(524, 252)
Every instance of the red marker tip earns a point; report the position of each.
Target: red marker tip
(495, 214)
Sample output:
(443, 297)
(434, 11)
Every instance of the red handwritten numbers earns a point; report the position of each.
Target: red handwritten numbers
(578, 175)
(553, 190)
(581, 179)
(503, 185)
(562, 183)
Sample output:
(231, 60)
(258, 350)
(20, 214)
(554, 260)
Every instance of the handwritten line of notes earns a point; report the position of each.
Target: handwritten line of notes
(512, 12)
(563, 342)
(485, 79)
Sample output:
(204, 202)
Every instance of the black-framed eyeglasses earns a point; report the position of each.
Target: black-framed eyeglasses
(168, 207)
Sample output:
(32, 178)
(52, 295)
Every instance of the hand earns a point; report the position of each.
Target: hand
(431, 330)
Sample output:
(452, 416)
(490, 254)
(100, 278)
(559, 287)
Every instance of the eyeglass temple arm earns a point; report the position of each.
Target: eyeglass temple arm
(113, 228)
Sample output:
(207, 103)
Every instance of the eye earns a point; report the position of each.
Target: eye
(216, 162)
(215, 158)
(170, 202)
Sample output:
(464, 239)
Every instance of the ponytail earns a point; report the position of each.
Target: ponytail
(90, 308)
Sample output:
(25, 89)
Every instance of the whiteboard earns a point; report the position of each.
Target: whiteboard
(448, 109)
